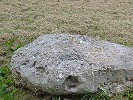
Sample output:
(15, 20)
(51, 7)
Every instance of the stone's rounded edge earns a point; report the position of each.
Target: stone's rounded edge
(71, 83)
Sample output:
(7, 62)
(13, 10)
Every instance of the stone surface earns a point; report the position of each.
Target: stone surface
(65, 64)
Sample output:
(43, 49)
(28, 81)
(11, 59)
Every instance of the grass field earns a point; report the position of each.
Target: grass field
(21, 21)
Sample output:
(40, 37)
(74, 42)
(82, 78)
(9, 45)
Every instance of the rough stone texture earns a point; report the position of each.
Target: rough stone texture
(65, 64)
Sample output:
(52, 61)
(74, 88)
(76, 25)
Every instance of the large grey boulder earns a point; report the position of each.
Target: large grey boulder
(66, 64)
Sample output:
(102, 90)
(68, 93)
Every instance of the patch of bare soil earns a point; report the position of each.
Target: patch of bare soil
(107, 19)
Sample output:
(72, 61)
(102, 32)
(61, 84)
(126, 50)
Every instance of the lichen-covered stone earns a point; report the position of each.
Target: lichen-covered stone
(65, 64)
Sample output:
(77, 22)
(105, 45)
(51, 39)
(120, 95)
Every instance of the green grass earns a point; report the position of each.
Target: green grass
(7, 89)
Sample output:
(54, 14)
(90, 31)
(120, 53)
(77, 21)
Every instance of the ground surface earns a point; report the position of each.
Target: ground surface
(21, 21)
